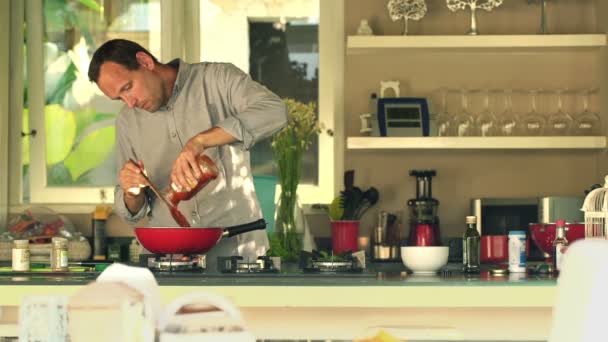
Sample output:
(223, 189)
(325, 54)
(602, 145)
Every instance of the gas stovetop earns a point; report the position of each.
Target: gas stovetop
(264, 266)
(238, 265)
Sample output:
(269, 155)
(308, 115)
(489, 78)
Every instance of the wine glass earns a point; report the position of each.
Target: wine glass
(533, 123)
(587, 123)
(443, 118)
(560, 122)
(462, 123)
(485, 122)
(508, 123)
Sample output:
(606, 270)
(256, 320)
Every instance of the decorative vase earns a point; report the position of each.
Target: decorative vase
(473, 30)
(287, 240)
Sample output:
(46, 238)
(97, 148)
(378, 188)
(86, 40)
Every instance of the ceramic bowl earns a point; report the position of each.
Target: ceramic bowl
(424, 260)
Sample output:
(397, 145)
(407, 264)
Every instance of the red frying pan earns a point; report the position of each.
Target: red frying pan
(189, 240)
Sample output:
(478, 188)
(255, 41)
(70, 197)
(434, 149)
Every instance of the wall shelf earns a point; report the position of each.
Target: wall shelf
(476, 143)
(376, 44)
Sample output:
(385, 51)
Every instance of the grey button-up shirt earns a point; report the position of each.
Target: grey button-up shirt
(205, 95)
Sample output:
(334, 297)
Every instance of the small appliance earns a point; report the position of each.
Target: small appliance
(424, 223)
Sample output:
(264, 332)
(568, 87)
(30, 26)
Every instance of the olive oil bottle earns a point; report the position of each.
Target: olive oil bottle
(471, 246)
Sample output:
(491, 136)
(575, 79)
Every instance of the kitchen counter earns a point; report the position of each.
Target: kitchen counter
(443, 307)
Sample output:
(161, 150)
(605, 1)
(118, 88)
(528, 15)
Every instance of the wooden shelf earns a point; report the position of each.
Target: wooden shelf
(476, 143)
(375, 44)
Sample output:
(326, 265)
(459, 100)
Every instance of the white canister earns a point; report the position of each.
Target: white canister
(21, 255)
(517, 251)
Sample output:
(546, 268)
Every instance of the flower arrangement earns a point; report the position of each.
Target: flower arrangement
(288, 148)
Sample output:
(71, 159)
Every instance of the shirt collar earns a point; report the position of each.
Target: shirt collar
(183, 70)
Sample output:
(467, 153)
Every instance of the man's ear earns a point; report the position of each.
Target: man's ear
(145, 60)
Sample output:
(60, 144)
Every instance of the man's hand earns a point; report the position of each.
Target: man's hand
(130, 178)
(186, 171)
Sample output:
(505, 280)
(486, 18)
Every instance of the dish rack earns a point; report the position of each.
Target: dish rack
(595, 208)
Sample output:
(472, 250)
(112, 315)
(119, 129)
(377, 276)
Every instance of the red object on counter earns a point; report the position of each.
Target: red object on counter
(425, 234)
(495, 248)
(544, 235)
(344, 236)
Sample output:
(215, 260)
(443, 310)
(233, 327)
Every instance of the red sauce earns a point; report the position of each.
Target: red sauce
(181, 220)
(209, 172)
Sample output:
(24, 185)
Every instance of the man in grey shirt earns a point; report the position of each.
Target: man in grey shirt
(174, 112)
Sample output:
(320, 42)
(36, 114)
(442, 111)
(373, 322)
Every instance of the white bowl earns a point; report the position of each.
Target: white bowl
(425, 260)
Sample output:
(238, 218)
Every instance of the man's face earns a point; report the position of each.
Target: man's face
(142, 88)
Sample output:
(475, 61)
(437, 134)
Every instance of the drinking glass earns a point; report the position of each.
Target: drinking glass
(508, 123)
(485, 122)
(560, 122)
(533, 123)
(443, 118)
(586, 123)
(462, 123)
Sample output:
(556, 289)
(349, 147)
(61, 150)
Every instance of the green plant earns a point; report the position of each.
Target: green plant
(288, 147)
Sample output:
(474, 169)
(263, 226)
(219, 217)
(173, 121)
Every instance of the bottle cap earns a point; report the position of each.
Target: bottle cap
(102, 212)
(471, 219)
(560, 223)
(517, 232)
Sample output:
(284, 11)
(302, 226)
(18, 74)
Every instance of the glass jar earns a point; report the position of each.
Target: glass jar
(59, 254)
(21, 255)
(175, 194)
(209, 172)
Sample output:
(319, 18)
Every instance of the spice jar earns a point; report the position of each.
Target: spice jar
(21, 255)
(59, 254)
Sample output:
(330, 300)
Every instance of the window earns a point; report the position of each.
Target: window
(288, 47)
(72, 159)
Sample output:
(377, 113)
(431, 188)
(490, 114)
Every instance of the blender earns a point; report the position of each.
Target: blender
(424, 223)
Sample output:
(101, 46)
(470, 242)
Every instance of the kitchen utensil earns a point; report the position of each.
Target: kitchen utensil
(163, 240)
(424, 260)
(543, 235)
(181, 220)
(424, 223)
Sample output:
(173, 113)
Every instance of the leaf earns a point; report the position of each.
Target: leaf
(65, 83)
(335, 209)
(91, 4)
(58, 175)
(92, 150)
(60, 126)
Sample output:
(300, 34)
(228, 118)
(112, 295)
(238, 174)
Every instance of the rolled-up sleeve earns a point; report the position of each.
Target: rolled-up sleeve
(124, 152)
(255, 112)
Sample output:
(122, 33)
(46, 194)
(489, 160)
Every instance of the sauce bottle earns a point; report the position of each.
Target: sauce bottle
(175, 194)
(560, 244)
(471, 246)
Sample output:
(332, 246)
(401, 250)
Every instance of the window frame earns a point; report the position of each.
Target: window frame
(5, 29)
(175, 41)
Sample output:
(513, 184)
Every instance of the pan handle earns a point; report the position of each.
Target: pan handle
(244, 228)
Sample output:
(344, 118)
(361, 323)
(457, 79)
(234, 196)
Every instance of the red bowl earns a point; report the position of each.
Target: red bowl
(543, 235)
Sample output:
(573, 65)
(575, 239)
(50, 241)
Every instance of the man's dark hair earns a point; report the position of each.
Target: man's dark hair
(119, 51)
